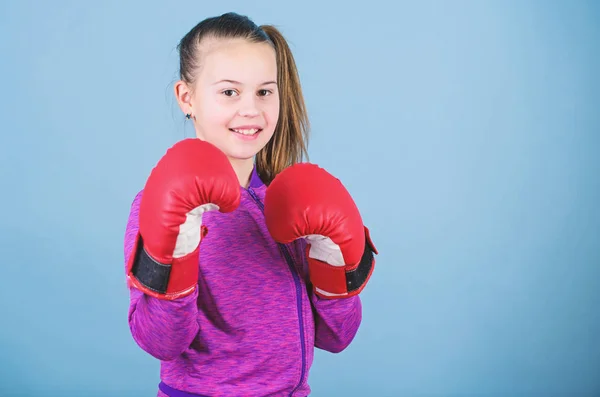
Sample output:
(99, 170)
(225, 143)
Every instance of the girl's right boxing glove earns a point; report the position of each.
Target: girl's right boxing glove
(192, 177)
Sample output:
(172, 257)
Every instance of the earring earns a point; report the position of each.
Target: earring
(188, 116)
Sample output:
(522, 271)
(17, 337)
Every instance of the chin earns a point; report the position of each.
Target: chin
(246, 152)
(241, 155)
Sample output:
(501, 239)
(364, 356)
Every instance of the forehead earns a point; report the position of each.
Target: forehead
(238, 60)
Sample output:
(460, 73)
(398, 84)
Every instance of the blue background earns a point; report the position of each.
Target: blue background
(467, 132)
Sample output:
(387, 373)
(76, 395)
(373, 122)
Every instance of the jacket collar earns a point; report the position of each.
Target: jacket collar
(255, 181)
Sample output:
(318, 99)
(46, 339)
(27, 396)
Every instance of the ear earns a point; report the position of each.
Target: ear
(184, 96)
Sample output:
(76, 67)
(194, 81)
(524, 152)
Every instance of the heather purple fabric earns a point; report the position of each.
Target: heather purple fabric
(251, 326)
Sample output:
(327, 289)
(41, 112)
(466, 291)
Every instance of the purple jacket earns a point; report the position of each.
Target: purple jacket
(251, 326)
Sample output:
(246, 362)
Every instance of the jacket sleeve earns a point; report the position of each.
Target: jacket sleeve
(162, 328)
(336, 320)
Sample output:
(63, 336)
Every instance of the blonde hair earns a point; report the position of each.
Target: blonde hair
(290, 140)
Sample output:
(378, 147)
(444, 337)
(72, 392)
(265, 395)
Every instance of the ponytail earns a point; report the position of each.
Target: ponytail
(289, 143)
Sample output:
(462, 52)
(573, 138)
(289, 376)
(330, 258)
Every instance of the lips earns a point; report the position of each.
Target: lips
(247, 130)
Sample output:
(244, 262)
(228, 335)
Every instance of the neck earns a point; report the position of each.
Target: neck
(243, 170)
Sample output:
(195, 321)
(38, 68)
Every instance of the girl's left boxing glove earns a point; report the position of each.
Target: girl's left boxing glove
(191, 178)
(305, 201)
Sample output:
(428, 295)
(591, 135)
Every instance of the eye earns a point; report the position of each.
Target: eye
(264, 92)
(229, 92)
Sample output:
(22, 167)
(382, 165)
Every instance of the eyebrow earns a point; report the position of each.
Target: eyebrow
(237, 82)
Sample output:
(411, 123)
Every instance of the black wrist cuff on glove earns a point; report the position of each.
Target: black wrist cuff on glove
(356, 279)
(150, 273)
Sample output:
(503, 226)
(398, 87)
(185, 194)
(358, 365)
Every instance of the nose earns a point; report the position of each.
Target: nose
(249, 106)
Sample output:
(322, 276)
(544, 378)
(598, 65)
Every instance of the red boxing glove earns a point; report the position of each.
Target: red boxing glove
(304, 201)
(191, 178)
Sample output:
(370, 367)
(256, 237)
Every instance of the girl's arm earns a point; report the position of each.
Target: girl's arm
(162, 328)
(305, 203)
(191, 178)
(336, 321)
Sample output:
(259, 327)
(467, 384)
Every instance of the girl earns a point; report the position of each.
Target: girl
(224, 289)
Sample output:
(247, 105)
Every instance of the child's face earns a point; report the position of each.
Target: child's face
(235, 99)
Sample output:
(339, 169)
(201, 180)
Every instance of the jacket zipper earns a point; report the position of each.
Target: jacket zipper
(291, 265)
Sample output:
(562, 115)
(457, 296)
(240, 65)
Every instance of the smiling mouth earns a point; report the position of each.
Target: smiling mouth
(246, 131)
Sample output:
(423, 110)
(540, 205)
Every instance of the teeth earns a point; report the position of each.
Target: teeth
(250, 131)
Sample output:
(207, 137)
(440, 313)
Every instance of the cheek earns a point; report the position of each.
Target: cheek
(272, 112)
(214, 113)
